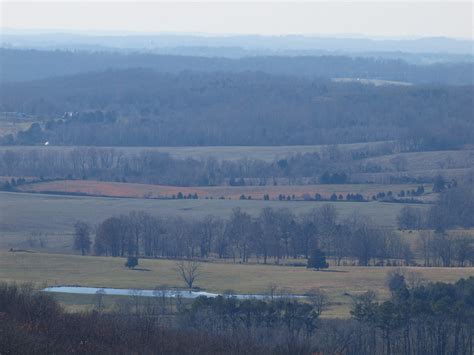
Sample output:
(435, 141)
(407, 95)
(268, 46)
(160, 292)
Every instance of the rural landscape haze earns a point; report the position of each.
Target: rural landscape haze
(205, 187)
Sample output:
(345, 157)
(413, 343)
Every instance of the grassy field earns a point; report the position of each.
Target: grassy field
(25, 214)
(413, 161)
(456, 164)
(267, 153)
(339, 282)
(435, 160)
(9, 125)
(375, 82)
(118, 189)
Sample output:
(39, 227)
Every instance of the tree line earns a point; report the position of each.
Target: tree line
(153, 167)
(330, 165)
(273, 236)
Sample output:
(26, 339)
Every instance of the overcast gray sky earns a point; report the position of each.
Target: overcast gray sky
(374, 19)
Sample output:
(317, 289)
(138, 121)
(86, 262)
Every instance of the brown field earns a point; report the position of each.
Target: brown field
(118, 189)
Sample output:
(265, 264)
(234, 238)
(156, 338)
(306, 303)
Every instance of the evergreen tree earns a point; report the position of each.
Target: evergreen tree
(82, 239)
(131, 262)
(317, 260)
(439, 184)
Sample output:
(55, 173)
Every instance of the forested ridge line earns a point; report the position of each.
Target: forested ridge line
(134, 107)
(29, 64)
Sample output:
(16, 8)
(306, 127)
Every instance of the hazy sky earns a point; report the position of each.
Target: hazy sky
(376, 18)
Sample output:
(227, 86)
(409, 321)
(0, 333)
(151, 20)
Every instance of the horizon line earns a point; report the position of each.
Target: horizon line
(130, 33)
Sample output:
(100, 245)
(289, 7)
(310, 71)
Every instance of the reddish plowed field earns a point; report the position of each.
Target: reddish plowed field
(118, 189)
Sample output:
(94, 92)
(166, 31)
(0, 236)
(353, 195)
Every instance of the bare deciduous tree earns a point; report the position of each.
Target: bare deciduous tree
(318, 299)
(189, 271)
(99, 295)
(272, 290)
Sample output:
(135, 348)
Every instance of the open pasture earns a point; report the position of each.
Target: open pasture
(424, 166)
(23, 215)
(267, 153)
(339, 282)
(29, 212)
(419, 161)
(451, 164)
(12, 124)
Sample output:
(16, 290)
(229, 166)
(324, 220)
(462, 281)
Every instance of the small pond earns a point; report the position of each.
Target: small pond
(153, 293)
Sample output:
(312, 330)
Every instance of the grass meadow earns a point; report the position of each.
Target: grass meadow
(340, 283)
(267, 153)
(26, 219)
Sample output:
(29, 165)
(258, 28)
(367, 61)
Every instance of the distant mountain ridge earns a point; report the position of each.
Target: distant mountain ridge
(250, 43)
(25, 65)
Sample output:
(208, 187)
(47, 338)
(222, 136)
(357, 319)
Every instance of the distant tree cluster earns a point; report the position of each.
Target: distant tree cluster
(11, 184)
(401, 196)
(335, 178)
(355, 197)
(411, 218)
(452, 209)
(439, 248)
(189, 196)
(419, 319)
(280, 320)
